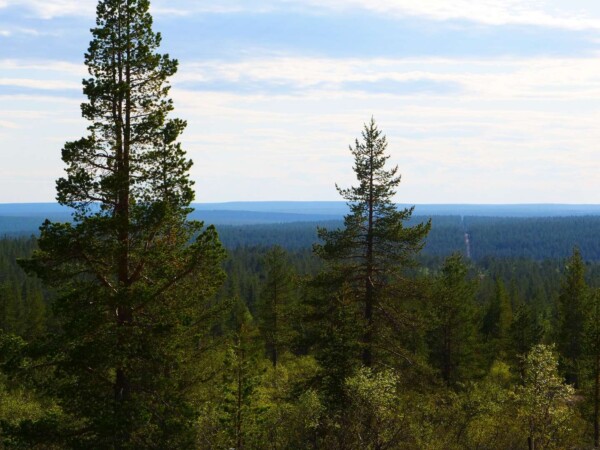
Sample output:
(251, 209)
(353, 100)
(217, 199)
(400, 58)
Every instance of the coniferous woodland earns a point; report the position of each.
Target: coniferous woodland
(131, 327)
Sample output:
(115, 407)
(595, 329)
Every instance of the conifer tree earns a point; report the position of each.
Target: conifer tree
(498, 320)
(241, 378)
(10, 307)
(591, 343)
(275, 304)
(525, 332)
(453, 336)
(35, 314)
(132, 274)
(572, 302)
(338, 347)
(374, 245)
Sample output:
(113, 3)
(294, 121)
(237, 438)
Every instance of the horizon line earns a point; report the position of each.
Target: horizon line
(342, 201)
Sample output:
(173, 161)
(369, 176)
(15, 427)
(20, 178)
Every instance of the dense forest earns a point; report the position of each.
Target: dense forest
(131, 326)
(535, 238)
(474, 326)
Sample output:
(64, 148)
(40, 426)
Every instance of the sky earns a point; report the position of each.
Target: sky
(482, 101)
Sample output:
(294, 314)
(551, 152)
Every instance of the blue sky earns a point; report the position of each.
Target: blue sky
(483, 101)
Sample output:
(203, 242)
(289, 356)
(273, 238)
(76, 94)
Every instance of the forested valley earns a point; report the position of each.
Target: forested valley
(535, 238)
(131, 326)
(283, 373)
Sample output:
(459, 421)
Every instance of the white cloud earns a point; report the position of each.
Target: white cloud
(567, 78)
(575, 15)
(491, 12)
(46, 85)
(9, 31)
(41, 75)
(8, 124)
(516, 125)
(186, 7)
(48, 9)
(65, 69)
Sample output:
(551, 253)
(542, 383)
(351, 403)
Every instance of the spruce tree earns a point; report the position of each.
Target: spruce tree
(241, 380)
(337, 338)
(132, 274)
(454, 334)
(275, 304)
(572, 303)
(525, 332)
(374, 246)
(498, 320)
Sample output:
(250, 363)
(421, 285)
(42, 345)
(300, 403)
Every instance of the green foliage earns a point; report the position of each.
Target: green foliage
(336, 322)
(453, 336)
(525, 332)
(293, 410)
(18, 404)
(543, 401)
(376, 417)
(252, 404)
(242, 374)
(276, 305)
(571, 310)
(374, 246)
(484, 412)
(318, 396)
(133, 277)
(498, 320)
(591, 362)
(533, 238)
(23, 301)
(505, 238)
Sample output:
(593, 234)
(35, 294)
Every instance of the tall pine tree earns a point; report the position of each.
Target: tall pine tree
(374, 245)
(133, 275)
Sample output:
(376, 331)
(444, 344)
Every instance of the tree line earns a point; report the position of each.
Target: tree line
(539, 238)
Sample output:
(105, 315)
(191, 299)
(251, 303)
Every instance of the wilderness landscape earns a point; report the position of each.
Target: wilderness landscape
(143, 307)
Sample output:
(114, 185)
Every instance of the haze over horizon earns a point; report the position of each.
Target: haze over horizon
(403, 203)
(483, 102)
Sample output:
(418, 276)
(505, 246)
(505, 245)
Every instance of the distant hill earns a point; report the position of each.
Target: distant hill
(339, 209)
(528, 231)
(24, 218)
(49, 210)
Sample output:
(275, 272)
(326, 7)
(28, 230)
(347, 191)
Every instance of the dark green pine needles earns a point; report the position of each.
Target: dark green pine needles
(133, 275)
(373, 248)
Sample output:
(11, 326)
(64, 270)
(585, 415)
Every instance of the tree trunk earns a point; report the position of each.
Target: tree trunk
(369, 288)
(124, 313)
